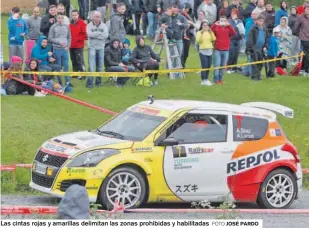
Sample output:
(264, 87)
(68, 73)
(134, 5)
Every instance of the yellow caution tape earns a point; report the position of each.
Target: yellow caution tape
(146, 72)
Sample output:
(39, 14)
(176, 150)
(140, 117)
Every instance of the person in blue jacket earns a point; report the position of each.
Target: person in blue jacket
(282, 12)
(272, 51)
(42, 52)
(17, 31)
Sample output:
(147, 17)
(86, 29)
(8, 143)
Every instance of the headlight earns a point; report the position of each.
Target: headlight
(92, 158)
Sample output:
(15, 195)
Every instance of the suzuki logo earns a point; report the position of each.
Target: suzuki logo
(45, 158)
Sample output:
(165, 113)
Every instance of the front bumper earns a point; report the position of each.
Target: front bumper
(56, 194)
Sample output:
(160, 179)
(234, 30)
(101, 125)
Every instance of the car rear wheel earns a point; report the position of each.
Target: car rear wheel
(125, 185)
(278, 191)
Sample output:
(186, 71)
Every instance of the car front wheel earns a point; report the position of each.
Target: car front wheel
(125, 185)
(278, 190)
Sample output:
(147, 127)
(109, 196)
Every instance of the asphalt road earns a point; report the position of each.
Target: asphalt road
(269, 220)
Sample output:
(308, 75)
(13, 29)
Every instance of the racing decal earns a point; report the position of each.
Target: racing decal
(142, 149)
(199, 150)
(179, 152)
(252, 161)
(75, 170)
(144, 110)
(54, 147)
(275, 132)
(186, 188)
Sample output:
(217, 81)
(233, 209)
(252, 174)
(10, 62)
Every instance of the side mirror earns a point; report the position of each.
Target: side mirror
(169, 142)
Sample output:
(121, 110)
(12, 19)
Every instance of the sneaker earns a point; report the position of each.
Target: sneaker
(202, 82)
(39, 94)
(151, 83)
(230, 71)
(118, 85)
(156, 83)
(207, 83)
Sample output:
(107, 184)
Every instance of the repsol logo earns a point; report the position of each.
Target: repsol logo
(252, 161)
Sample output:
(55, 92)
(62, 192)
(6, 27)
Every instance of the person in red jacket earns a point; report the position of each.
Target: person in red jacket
(78, 30)
(223, 32)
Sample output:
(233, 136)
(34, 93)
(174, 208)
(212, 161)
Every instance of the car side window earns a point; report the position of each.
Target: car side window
(247, 128)
(199, 128)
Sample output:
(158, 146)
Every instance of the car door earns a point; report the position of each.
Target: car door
(195, 169)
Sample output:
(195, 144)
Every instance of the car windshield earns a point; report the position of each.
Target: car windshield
(131, 126)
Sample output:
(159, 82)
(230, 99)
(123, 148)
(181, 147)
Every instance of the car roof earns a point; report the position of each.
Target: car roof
(175, 105)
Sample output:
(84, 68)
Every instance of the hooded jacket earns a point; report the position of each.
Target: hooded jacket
(151, 6)
(97, 35)
(75, 204)
(273, 47)
(45, 25)
(178, 30)
(17, 27)
(32, 77)
(40, 53)
(78, 34)
(142, 54)
(112, 56)
(280, 13)
(223, 36)
(117, 29)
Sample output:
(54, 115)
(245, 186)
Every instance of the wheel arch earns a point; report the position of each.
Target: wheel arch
(137, 168)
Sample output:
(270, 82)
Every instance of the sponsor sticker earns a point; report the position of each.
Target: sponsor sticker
(143, 149)
(148, 111)
(200, 150)
(76, 170)
(252, 161)
(275, 132)
(186, 188)
(55, 148)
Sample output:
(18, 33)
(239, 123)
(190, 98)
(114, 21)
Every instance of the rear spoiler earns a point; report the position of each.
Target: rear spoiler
(285, 111)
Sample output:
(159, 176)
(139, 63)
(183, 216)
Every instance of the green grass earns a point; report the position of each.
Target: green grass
(28, 121)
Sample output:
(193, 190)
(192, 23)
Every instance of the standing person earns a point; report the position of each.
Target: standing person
(302, 26)
(272, 51)
(102, 8)
(210, 10)
(83, 6)
(34, 25)
(257, 46)
(51, 2)
(196, 5)
(18, 29)
(144, 20)
(113, 63)
(282, 12)
(60, 37)
(269, 14)
(295, 40)
(48, 20)
(238, 26)
(60, 9)
(117, 29)
(43, 53)
(136, 9)
(145, 59)
(223, 32)
(198, 22)
(97, 34)
(67, 5)
(78, 29)
(250, 7)
(222, 8)
(152, 16)
(260, 8)
(162, 5)
(205, 39)
(235, 5)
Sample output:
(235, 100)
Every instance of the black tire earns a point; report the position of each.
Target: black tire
(103, 198)
(263, 201)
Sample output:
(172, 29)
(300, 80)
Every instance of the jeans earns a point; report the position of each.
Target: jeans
(83, 6)
(152, 24)
(220, 60)
(62, 59)
(205, 63)
(247, 70)
(77, 59)
(50, 68)
(257, 55)
(271, 67)
(95, 62)
(233, 53)
(16, 50)
(121, 80)
(145, 23)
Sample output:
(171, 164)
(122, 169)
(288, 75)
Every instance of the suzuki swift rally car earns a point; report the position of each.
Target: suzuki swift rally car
(177, 151)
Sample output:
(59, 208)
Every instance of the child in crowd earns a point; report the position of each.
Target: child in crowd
(126, 52)
(273, 51)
